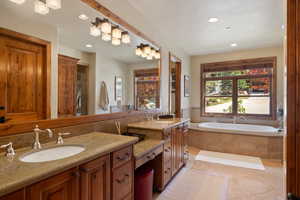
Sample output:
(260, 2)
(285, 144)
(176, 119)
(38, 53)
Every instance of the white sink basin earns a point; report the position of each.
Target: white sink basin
(53, 153)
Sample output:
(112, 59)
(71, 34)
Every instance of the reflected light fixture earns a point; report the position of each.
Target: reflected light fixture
(116, 32)
(147, 49)
(40, 7)
(233, 44)
(106, 37)
(95, 31)
(105, 26)
(138, 51)
(125, 37)
(89, 45)
(18, 1)
(116, 41)
(157, 55)
(53, 4)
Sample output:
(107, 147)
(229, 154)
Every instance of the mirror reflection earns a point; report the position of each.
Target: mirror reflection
(66, 62)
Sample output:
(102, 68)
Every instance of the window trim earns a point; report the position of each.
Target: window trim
(270, 62)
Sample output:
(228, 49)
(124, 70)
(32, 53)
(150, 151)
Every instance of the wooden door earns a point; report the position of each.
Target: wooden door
(23, 80)
(60, 187)
(95, 179)
(67, 77)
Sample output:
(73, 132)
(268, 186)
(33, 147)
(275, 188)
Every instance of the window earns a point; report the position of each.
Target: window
(244, 87)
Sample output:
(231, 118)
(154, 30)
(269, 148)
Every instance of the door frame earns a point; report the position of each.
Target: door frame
(178, 85)
(47, 61)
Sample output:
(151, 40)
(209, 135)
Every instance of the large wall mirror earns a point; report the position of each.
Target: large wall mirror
(72, 61)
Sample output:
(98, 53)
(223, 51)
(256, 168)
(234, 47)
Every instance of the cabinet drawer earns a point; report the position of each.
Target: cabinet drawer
(167, 151)
(122, 156)
(122, 181)
(149, 156)
(167, 172)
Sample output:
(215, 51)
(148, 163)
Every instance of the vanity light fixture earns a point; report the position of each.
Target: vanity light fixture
(116, 41)
(95, 31)
(106, 37)
(157, 55)
(153, 52)
(138, 51)
(105, 26)
(125, 37)
(147, 49)
(213, 20)
(83, 17)
(53, 4)
(41, 7)
(116, 32)
(18, 1)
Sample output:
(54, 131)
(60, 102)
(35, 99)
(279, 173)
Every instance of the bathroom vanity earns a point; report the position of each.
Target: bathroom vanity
(165, 144)
(104, 170)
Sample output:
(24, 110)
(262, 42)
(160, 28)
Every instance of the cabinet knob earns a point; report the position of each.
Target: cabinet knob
(2, 107)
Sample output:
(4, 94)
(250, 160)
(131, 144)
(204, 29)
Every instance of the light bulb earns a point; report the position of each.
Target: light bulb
(157, 55)
(149, 57)
(116, 32)
(105, 26)
(116, 41)
(125, 37)
(40, 7)
(95, 31)
(18, 1)
(138, 51)
(106, 37)
(54, 4)
(147, 49)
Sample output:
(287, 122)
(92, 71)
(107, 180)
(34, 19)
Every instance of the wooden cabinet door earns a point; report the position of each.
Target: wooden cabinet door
(19, 195)
(22, 80)
(95, 179)
(67, 76)
(122, 181)
(63, 186)
(173, 150)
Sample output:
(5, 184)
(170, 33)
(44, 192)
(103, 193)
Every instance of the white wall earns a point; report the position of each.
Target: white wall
(106, 70)
(196, 61)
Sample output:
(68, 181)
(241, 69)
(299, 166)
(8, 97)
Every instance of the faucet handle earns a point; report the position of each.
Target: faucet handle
(9, 149)
(60, 139)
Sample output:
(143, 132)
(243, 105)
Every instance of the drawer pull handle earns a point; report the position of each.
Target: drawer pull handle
(166, 150)
(120, 181)
(124, 157)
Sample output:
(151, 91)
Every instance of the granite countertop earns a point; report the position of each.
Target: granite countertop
(15, 174)
(157, 124)
(145, 146)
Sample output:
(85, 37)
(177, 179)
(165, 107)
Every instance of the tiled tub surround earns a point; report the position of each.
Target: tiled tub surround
(267, 147)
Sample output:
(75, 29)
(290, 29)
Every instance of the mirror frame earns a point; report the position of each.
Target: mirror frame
(7, 129)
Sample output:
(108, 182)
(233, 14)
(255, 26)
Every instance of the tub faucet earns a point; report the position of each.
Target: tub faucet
(37, 131)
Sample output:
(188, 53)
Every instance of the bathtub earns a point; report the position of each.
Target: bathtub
(246, 129)
(244, 139)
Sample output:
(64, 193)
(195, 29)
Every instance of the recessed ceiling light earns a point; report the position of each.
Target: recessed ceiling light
(83, 17)
(233, 44)
(227, 28)
(213, 20)
(282, 26)
(89, 46)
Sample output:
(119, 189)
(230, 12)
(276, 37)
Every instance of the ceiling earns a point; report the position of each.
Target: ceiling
(73, 32)
(254, 23)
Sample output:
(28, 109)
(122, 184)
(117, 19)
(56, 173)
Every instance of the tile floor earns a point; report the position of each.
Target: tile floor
(241, 183)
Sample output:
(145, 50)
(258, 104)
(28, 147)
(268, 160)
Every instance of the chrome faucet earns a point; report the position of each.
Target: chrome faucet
(237, 118)
(10, 152)
(37, 131)
(60, 139)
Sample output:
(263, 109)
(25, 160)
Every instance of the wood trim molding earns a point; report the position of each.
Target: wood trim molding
(47, 46)
(24, 127)
(109, 14)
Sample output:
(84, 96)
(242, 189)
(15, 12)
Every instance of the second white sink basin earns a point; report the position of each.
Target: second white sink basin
(53, 153)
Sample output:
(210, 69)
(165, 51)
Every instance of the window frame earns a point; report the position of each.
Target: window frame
(267, 62)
